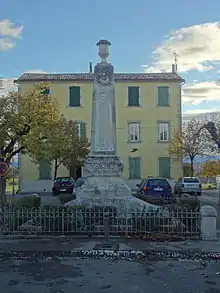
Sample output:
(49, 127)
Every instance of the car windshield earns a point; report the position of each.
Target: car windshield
(158, 182)
(191, 180)
(63, 180)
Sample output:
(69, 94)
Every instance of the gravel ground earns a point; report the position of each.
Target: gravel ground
(65, 274)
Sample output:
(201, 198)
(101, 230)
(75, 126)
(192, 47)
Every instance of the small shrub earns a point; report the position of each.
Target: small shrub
(64, 198)
(29, 201)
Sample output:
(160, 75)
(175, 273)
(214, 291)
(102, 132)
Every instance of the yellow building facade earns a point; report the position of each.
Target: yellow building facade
(148, 110)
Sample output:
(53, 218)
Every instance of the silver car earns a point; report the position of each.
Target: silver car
(189, 185)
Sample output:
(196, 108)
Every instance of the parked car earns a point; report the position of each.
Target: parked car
(188, 185)
(158, 187)
(63, 185)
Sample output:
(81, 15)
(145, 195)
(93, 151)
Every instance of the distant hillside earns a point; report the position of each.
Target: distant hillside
(200, 159)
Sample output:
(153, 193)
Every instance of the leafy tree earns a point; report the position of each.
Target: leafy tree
(190, 142)
(61, 146)
(210, 169)
(24, 117)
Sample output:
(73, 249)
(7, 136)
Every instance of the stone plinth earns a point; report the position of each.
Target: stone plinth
(208, 223)
(103, 166)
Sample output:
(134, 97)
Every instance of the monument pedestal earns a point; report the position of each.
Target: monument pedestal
(104, 187)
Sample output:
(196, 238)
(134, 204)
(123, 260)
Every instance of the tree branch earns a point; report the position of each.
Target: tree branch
(8, 159)
(13, 141)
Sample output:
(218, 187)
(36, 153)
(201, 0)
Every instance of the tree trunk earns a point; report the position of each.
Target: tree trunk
(55, 169)
(191, 167)
(3, 198)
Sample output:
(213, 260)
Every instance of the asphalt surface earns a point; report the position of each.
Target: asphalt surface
(67, 275)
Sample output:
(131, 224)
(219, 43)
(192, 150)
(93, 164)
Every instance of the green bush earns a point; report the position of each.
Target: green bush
(66, 197)
(29, 201)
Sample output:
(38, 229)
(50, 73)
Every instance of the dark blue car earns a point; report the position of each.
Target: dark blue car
(158, 187)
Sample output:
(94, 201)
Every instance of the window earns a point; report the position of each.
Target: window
(81, 127)
(163, 131)
(158, 182)
(135, 168)
(133, 96)
(134, 132)
(163, 96)
(45, 92)
(164, 167)
(74, 96)
(190, 180)
(44, 170)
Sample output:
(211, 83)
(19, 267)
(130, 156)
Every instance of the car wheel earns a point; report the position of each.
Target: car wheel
(199, 193)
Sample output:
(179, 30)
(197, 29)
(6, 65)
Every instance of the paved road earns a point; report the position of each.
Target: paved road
(210, 196)
(67, 275)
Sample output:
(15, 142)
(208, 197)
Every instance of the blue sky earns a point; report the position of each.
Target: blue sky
(60, 36)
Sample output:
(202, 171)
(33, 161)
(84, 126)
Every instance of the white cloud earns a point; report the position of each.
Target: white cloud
(198, 47)
(35, 71)
(9, 31)
(201, 92)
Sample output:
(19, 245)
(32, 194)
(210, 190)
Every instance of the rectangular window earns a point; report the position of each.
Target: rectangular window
(164, 167)
(44, 170)
(45, 92)
(133, 96)
(134, 132)
(163, 96)
(135, 168)
(163, 131)
(74, 96)
(81, 127)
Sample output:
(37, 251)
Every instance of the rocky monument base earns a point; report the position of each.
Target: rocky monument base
(104, 187)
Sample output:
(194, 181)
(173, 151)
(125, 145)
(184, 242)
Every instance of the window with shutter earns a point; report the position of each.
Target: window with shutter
(134, 168)
(74, 96)
(44, 170)
(163, 96)
(133, 96)
(164, 167)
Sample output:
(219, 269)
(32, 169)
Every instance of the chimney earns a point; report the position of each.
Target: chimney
(174, 68)
(90, 67)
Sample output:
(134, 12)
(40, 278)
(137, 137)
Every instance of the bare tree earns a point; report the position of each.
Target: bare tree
(192, 141)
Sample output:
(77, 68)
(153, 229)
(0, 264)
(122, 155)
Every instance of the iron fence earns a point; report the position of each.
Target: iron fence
(92, 221)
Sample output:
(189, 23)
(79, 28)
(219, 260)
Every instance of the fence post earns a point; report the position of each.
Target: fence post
(106, 227)
(208, 223)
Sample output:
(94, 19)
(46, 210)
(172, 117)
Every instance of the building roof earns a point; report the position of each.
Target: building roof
(40, 77)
